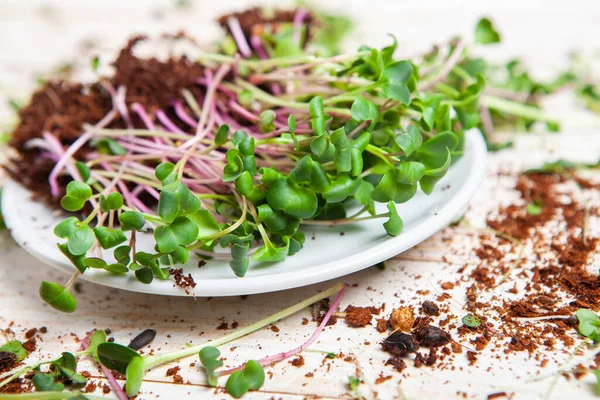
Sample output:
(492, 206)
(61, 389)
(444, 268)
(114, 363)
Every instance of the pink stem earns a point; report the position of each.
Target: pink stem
(298, 19)
(85, 343)
(151, 147)
(146, 120)
(124, 191)
(162, 117)
(139, 189)
(262, 54)
(207, 106)
(184, 116)
(58, 149)
(206, 82)
(243, 112)
(139, 110)
(63, 161)
(257, 46)
(118, 98)
(286, 354)
(238, 36)
(77, 144)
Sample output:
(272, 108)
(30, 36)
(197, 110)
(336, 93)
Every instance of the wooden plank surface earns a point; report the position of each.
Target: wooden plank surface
(50, 33)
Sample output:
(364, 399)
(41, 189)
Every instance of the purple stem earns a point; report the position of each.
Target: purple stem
(64, 160)
(85, 343)
(77, 144)
(238, 36)
(286, 354)
(124, 191)
(147, 147)
(147, 121)
(297, 23)
(205, 124)
(153, 192)
(162, 117)
(56, 150)
(118, 99)
(206, 82)
(257, 46)
(139, 110)
(241, 111)
(184, 116)
(262, 54)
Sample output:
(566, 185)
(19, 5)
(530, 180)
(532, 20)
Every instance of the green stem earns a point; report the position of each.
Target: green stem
(275, 76)
(224, 231)
(131, 178)
(90, 217)
(514, 108)
(148, 217)
(278, 140)
(49, 396)
(379, 153)
(216, 197)
(154, 360)
(463, 74)
(263, 233)
(18, 373)
(447, 90)
(270, 99)
(344, 221)
(350, 95)
(279, 61)
(138, 132)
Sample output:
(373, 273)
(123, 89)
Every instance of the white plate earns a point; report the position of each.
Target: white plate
(327, 254)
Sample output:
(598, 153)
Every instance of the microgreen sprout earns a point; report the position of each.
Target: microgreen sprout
(534, 208)
(485, 33)
(15, 347)
(354, 383)
(209, 357)
(251, 377)
(471, 321)
(589, 324)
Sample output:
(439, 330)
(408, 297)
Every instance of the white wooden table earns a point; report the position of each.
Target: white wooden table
(37, 35)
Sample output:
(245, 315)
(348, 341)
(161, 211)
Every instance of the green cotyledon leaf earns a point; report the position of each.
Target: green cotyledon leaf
(393, 226)
(293, 199)
(271, 253)
(388, 189)
(310, 172)
(209, 357)
(410, 141)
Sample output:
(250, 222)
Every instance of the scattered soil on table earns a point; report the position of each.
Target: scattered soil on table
(30, 345)
(358, 317)
(553, 277)
(297, 362)
(181, 280)
(402, 319)
(8, 361)
(174, 372)
(17, 386)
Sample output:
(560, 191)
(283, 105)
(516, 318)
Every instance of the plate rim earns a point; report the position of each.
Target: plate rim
(293, 279)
